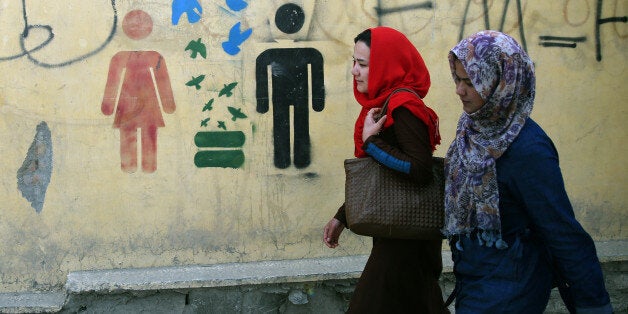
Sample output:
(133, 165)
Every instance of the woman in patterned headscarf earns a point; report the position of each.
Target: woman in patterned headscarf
(401, 275)
(509, 221)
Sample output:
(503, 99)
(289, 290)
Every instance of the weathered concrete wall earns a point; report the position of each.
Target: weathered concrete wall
(314, 285)
(212, 188)
(331, 296)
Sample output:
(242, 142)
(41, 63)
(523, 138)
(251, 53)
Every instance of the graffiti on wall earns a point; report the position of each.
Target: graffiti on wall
(191, 8)
(599, 21)
(381, 11)
(296, 73)
(138, 86)
(236, 38)
(487, 21)
(545, 40)
(292, 71)
(220, 148)
(34, 47)
(217, 148)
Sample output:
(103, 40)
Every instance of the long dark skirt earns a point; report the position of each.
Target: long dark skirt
(400, 276)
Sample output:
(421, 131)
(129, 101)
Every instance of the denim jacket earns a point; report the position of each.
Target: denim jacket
(547, 245)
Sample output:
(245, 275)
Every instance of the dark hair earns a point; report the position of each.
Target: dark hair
(364, 37)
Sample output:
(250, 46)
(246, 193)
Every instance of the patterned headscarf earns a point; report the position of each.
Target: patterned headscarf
(395, 63)
(503, 74)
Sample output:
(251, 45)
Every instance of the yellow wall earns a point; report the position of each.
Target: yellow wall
(97, 216)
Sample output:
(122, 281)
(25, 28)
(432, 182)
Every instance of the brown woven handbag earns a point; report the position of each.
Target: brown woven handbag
(381, 202)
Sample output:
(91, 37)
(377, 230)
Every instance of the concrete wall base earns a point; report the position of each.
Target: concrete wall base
(320, 285)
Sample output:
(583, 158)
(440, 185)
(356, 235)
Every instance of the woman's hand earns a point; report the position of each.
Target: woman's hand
(332, 232)
(372, 127)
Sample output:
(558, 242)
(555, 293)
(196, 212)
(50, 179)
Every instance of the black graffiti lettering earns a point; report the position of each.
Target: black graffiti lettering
(464, 20)
(519, 20)
(487, 24)
(385, 11)
(562, 42)
(599, 21)
(28, 28)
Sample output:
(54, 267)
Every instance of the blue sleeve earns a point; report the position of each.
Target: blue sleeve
(541, 188)
(387, 159)
(403, 147)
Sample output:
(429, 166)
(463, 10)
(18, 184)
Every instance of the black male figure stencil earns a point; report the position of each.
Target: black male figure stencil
(291, 71)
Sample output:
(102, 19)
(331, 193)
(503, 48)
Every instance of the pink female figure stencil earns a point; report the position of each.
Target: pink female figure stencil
(145, 83)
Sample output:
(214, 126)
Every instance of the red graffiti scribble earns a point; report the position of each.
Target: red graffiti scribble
(145, 84)
(569, 10)
(619, 12)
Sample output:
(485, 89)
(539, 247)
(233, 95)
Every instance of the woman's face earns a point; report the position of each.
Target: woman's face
(471, 99)
(360, 70)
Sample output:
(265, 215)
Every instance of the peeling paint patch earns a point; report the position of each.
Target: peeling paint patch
(34, 175)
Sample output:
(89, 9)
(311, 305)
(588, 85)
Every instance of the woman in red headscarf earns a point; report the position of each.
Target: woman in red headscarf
(400, 275)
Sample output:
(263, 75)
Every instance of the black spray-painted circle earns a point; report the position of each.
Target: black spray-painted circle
(289, 18)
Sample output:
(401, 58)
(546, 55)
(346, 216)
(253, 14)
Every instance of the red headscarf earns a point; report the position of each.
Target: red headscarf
(394, 63)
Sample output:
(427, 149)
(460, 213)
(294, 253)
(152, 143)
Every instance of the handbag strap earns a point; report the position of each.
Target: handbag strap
(385, 106)
(452, 296)
(402, 89)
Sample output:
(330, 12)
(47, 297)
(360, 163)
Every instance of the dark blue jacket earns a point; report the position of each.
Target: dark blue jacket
(547, 245)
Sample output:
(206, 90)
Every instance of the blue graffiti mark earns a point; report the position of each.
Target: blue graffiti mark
(191, 8)
(236, 38)
(236, 5)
